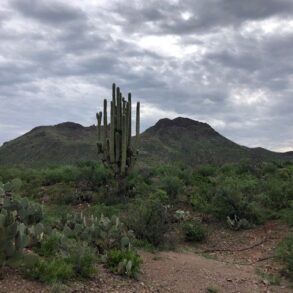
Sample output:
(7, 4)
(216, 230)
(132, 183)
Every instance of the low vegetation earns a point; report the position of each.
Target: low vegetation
(58, 222)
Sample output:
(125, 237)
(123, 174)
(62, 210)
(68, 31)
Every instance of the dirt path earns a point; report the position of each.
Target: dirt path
(163, 272)
(187, 271)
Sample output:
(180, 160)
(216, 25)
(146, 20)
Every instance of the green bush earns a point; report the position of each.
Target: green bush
(286, 215)
(149, 219)
(279, 193)
(78, 255)
(124, 262)
(172, 185)
(83, 259)
(284, 253)
(200, 203)
(102, 209)
(49, 246)
(235, 198)
(61, 193)
(207, 171)
(51, 270)
(194, 231)
(137, 184)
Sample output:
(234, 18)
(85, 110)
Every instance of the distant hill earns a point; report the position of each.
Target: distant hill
(192, 143)
(180, 140)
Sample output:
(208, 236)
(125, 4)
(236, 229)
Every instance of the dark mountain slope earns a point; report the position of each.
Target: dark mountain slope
(180, 140)
(63, 143)
(192, 142)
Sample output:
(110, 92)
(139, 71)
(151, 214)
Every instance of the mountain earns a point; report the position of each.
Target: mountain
(180, 140)
(192, 143)
(63, 143)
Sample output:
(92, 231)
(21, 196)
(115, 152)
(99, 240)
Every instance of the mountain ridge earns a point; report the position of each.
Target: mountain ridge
(179, 140)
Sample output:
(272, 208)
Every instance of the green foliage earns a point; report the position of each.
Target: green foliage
(106, 210)
(286, 215)
(50, 245)
(13, 186)
(279, 192)
(150, 219)
(19, 226)
(284, 253)
(194, 231)
(124, 262)
(51, 270)
(212, 290)
(88, 173)
(269, 278)
(206, 171)
(172, 185)
(61, 193)
(78, 254)
(234, 199)
(83, 259)
(138, 184)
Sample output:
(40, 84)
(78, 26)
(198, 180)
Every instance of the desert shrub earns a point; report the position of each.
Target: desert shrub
(78, 254)
(53, 176)
(194, 231)
(286, 215)
(102, 209)
(61, 193)
(93, 175)
(284, 253)
(83, 260)
(235, 198)
(228, 169)
(269, 168)
(172, 185)
(1, 188)
(200, 203)
(186, 175)
(247, 167)
(279, 193)
(49, 246)
(149, 219)
(207, 171)
(16, 185)
(167, 170)
(137, 184)
(212, 290)
(124, 262)
(50, 270)
(89, 173)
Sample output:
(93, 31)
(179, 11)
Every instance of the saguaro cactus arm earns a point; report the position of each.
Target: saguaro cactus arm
(115, 145)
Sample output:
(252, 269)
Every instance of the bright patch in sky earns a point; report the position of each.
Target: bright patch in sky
(244, 96)
(186, 15)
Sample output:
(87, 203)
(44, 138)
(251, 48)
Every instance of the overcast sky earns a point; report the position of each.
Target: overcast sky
(225, 62)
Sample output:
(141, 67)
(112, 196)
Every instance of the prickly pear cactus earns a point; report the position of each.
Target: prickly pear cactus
(103, 233)
(19, 226)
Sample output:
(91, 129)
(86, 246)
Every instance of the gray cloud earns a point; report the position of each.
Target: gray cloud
(53, 12)
(164, 16)
(226, 62)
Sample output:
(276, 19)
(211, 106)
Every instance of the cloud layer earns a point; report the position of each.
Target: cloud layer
(228, 63)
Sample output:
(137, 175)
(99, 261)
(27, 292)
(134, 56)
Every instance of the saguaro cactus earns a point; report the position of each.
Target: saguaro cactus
(114, 141)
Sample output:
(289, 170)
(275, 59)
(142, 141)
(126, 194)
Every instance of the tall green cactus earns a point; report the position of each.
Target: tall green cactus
(115, 144)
